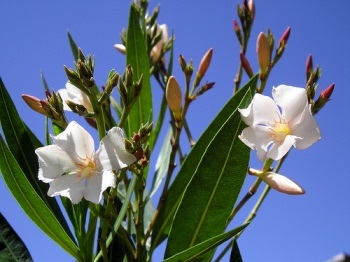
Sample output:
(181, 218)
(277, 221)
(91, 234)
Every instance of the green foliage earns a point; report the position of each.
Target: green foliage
(19, 168)
(216, 182)
(137, 56)
(193, 160)
(12, 247)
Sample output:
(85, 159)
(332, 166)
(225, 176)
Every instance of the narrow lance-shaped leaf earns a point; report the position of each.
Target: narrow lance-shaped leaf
(166, 213)
(12, 247)
(31, 202)
(138, 58)
(22, 144)
(213, 189)
(205, 246)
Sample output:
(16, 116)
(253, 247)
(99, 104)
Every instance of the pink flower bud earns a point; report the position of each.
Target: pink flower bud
(34, 103)
(263, 51)
(246, 65)
(326, 94)
(308, 67)
(174, 97)
(205, 63)
(235, 26)
(285, 36)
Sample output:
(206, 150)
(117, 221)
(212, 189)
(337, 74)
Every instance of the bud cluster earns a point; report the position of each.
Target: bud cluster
(139, 147)
(51, 107)
(128, 89)
(312, 77)
(82, 77)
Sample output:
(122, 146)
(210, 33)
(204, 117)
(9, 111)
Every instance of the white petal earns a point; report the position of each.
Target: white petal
(263, 110)
(68, 186)
(292, 101)
(75, 140)
(112, 154)
(97, 184)
(307, 129)
(53, 162)
(282, 184)
(278, 150)
(77, 96)
(257, 138)
(64, 95)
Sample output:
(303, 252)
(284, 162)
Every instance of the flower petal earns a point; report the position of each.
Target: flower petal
(292, 101)
(68, 186)
(307, 129)
(111, 154)
(53, 162)
(282, 184)
(97, 184)
(262, 110)
(257, 138)
(278, 150)
(64, 95)
(75, 140)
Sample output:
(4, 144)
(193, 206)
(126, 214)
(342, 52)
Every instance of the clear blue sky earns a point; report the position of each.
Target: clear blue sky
(312, 227)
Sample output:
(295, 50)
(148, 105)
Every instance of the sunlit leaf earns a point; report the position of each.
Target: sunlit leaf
(212, 192)
(138, 58)
(12, 247)
(162, 163)
(204, 246)
(22, 144)
(188, 168)
(31, 202)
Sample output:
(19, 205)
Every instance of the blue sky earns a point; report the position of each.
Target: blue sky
(312, 227)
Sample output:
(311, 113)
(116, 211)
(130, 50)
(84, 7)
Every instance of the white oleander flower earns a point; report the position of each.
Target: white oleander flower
(275, 125)
(75, 170)
(74, 94)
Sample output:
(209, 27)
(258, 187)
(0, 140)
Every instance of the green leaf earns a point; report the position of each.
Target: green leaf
(73, 46)
(212, 192)
(137, 56)
(22, 144)
(205, 246)
(188, 168)
(162, 163)
(12, 247)
(235, 253)
(31, 202)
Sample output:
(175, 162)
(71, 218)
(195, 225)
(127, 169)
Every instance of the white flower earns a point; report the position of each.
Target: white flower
(157, 49)
(271, 131)
(75, 170)
(75, 95)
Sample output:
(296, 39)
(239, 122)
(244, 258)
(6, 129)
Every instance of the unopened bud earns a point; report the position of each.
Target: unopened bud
(174, 97)
(322, 99)
(205, 63)
(278, 182)
(326, 94)
(246, 65)
(34, 103)
(263, 52)
(285, 36)
(238, 32)
(121, 48)
(204, 88)
(251, 7)
(183, 63)
(203, 66)
(308, 67)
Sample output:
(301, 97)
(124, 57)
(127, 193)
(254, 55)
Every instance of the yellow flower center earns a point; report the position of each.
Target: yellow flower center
(88, 168)
(279, 131)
